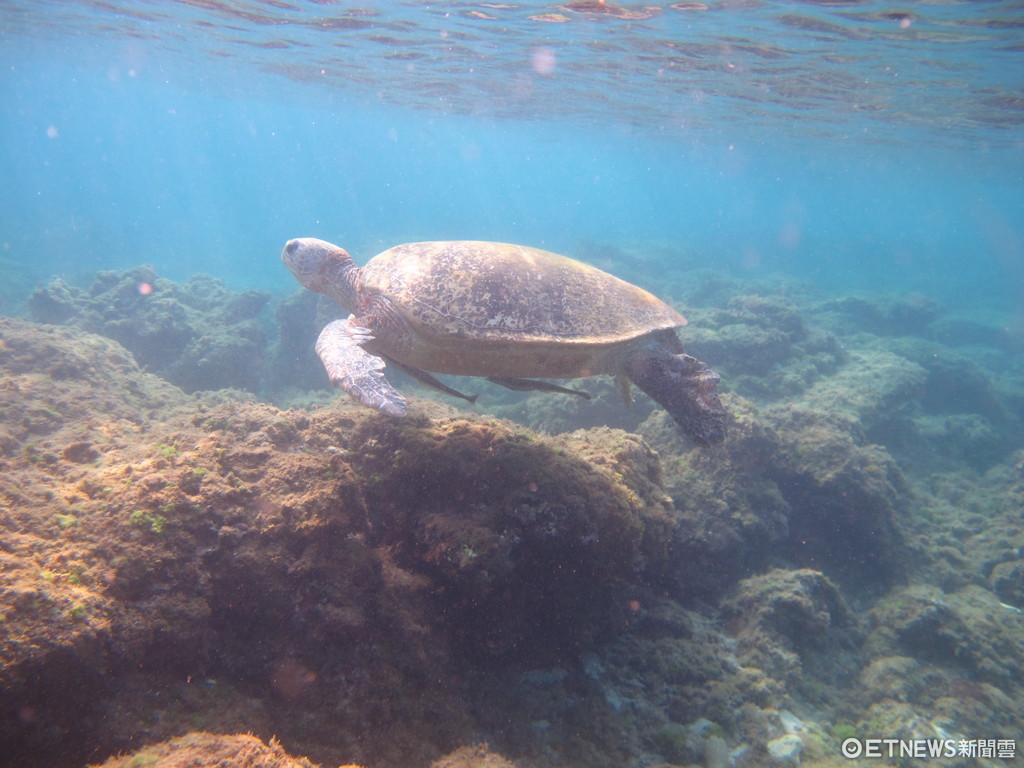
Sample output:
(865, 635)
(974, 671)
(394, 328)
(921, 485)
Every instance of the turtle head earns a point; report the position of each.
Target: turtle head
(322, 267)
(687, 389)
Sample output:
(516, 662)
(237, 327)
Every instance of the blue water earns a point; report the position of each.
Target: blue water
(855, 147)
(842, 143)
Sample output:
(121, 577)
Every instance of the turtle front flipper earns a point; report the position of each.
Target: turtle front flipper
(687, 389)
(355, 370)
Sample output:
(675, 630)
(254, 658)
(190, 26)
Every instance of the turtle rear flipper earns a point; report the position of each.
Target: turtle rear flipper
(687, 389)
(532, 385)
(355, 370)
(429, 380)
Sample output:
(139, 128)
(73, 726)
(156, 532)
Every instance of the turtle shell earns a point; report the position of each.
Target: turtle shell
(500, 294)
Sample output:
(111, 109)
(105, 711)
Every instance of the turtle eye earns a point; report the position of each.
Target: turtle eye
(291, 247)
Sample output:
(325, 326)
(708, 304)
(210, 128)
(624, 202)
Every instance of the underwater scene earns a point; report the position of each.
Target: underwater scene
(594, 384)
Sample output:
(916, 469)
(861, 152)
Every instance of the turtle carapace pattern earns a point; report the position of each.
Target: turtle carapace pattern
(510, 313)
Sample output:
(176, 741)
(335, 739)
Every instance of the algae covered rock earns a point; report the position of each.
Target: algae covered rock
(230, 751)
(891, 315)
(793, 480)
(964, 630)
(787, 620)
(960, 666)
(497, 518)
(786, 750)
(386, 591)
(846, 496)
(68, 382)
(732, 518)
(473, 756)
(198, 335)
(764, 345)
(1007, 580)
(197, 748)
(876, 387)
(317, 575)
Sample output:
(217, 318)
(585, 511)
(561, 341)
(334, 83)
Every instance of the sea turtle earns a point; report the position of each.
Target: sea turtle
(503, 312)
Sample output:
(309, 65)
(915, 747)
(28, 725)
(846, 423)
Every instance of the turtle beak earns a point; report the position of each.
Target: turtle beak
(305, 258)
(316, 264)
(292, 256)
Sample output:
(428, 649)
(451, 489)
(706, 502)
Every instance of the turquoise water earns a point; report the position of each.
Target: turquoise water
(851, 144)
(832, 192)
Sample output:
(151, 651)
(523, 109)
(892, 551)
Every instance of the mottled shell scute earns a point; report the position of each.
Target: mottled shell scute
(511, 293)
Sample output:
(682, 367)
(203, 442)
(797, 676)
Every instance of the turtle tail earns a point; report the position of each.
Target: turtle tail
(687, 389)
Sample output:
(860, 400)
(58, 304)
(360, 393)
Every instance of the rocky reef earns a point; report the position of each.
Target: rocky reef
(587, 587)
(330, 565)
(200, 748)
(204, 749)
(197, 335)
